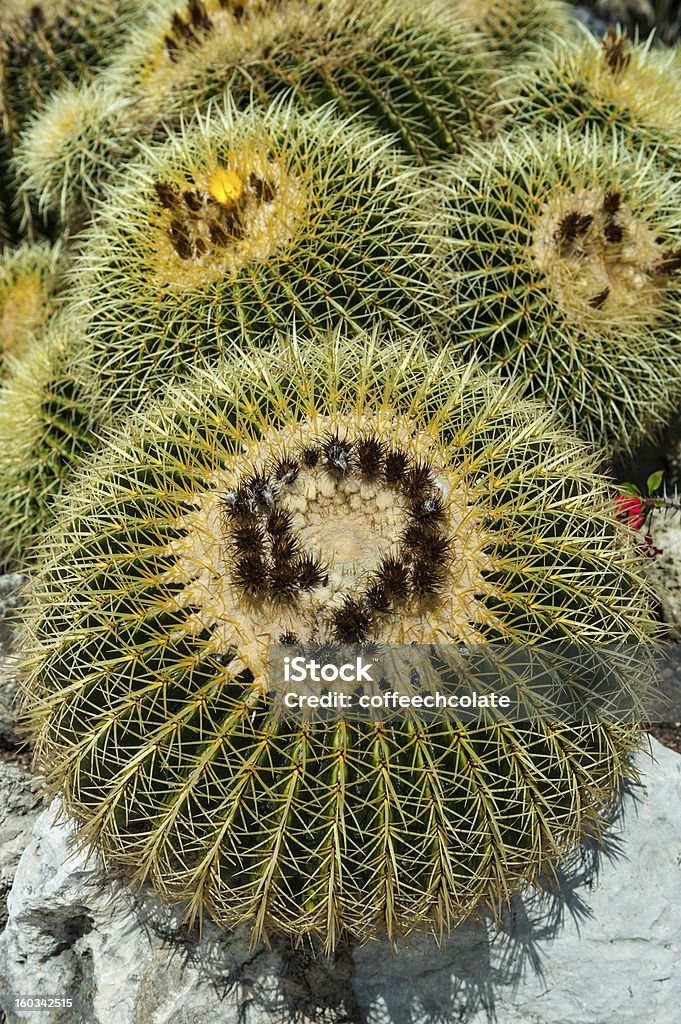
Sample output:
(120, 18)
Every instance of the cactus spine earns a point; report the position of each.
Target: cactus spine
(339, 491)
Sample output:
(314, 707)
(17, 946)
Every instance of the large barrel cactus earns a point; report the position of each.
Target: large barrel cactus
(337, 492)
(417, 73)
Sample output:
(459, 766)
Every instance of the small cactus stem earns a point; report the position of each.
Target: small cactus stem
(335, 548)
(213, 224)
(600, 259)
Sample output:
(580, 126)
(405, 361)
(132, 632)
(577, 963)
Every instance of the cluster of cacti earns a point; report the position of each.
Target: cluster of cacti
(358, 297)
(345, 492)
(421, 76)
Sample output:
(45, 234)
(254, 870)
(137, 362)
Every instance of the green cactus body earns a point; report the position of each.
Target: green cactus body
(609, 84)
(244, 223)
(46, 433)
(335, 492)
(566, 256)
(48, 45)
(516, 26)
(419, 75)
(27, 282)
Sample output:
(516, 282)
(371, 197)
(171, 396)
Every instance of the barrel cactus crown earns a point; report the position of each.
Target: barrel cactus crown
(566, 255)
(241, 224)
(70, 148)
(417, 73)
(337, 491)
(611, 83)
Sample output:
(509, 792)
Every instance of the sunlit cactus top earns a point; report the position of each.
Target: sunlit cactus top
(566, 253)
(241, 224)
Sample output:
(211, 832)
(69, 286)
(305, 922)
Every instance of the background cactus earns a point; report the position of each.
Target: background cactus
(243, 223)
(28, 280)
(46, 45)
(418, 74)
(349, 491)
(46, 432)
(566, 255)
(514, 27)
(610, 83)
(71, 148)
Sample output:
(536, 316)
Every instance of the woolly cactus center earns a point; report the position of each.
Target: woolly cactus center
(603, 264)
(337, 534)
(234, 213)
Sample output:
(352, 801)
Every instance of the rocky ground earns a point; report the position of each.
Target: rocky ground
(597, 944)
